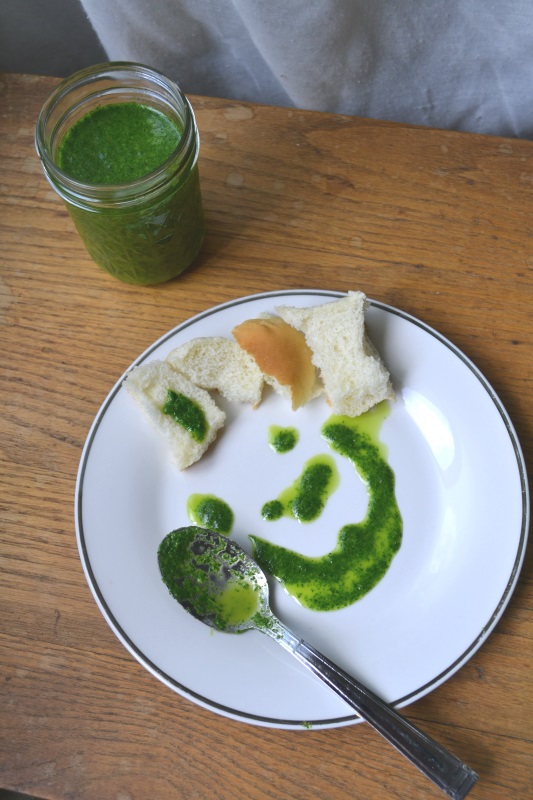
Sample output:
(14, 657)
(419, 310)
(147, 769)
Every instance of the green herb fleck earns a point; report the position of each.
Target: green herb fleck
(186, 413)
(282, 440)
(305, 499)
(210, 512)
(272, 510)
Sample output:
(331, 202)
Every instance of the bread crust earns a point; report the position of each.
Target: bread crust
(282, 354)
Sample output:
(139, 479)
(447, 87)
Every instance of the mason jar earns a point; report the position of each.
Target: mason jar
(144, 230)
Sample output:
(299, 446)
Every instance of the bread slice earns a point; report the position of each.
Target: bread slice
(353, 373)
(219, 363)
(283, 356)
(149, 385)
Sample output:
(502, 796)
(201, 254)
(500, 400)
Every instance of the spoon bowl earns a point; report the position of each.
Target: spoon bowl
(217, 582)
(214, 579)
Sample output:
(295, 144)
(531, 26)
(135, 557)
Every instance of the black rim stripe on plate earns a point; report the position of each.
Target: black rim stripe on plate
(227, 711)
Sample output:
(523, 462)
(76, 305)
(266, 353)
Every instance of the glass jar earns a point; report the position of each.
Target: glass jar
(148, 230)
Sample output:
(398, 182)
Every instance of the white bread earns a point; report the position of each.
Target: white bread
(148, 384)
(282, 355)
(219, 363)
(353, 373)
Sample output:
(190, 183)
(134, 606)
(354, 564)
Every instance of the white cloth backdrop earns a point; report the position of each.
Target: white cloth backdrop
(456, 64)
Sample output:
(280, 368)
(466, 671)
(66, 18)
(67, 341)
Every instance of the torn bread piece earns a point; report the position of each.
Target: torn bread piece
(353, 373)
(283, 356)
(184, 414)
(219, 363)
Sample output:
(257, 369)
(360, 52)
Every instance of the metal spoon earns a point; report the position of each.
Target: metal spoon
(217, 582)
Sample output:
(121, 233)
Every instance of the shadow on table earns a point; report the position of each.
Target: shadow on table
(5, 794)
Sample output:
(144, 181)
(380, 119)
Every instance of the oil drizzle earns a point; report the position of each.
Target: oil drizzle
(364, 550)
(306, 497)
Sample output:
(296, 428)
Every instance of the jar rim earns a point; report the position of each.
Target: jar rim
(121, 192)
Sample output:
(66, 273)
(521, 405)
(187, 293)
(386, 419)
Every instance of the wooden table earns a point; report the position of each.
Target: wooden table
(439, 224)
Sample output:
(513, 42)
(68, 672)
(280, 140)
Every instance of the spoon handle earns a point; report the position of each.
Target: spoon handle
(438, 764)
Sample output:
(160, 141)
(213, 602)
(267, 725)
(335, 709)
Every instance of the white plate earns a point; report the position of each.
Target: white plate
(462, 491)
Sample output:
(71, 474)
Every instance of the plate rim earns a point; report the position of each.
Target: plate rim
(251, 718)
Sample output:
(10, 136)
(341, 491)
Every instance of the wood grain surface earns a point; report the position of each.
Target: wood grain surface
(439, 224)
